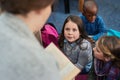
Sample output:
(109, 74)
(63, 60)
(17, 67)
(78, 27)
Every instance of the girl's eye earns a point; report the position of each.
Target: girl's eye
(67, 29)
(74, 30)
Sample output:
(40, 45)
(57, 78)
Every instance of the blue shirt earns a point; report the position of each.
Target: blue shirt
(96, 29)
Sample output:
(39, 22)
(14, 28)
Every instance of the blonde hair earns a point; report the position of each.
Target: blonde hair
(110, 47)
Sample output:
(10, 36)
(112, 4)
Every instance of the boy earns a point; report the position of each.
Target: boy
(94, 24)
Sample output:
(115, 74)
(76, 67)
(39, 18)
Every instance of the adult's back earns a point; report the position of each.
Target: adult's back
(21, 55)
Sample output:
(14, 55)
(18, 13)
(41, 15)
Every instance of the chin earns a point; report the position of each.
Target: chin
(92, 21)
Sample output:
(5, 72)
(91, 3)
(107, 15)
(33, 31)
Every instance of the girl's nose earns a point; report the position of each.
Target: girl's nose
(70, 32)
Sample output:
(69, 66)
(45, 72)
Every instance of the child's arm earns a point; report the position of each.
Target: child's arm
(101, 29)
(80, 5)
(85, 56)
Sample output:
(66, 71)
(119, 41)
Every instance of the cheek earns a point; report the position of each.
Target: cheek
(94, 17)
(98, 55)
(65, 33)
(77, 36)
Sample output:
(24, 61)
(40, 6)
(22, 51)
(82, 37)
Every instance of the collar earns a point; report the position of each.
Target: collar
(72, 44)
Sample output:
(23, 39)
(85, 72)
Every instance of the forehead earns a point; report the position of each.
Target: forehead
(71, 24)
(91, 6)
(91, 10)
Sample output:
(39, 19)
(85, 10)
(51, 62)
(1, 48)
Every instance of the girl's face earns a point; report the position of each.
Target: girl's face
(71, 31)
(98, 53)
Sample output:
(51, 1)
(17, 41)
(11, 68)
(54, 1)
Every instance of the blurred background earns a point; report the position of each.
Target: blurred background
(109, 10)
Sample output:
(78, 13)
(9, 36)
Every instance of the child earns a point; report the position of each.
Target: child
(94, 24)
(74, 43)
(107, 58)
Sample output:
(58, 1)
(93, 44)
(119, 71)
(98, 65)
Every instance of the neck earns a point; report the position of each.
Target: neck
(32, 20)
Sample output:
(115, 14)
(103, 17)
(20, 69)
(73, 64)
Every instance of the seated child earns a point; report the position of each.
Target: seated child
(94, 24)
(75, 44)
(107, 58)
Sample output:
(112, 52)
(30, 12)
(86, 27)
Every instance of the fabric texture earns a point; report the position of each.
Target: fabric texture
(49, 34)
(112, 32)
(80, 55)
(95, 29)
(81, 77)
(104, 71)
(21, 55)
(107, 70)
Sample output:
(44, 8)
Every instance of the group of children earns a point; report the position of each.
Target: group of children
(78, 37)
(23, 58)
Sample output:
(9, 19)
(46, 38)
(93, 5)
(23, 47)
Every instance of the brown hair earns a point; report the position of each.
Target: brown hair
(23, 6)
(110, 46)
(77, 20)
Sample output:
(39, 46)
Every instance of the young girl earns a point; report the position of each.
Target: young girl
(74, 43)
(107, 58)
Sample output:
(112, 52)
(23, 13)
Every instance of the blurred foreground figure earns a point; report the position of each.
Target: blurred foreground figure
(21, 55)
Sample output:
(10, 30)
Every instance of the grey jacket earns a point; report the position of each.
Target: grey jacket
(79, 54)
(21, 56)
